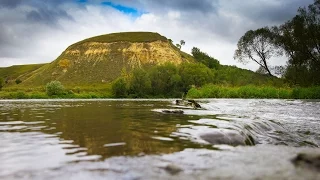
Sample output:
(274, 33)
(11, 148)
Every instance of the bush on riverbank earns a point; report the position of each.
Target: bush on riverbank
(250, 91)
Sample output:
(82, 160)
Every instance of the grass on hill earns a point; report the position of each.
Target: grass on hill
(125, 36)
(17, 70)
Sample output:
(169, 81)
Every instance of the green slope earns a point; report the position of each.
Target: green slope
(13, 72)
(102, 59)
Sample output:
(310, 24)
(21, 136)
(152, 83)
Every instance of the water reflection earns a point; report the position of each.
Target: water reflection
(86, 128)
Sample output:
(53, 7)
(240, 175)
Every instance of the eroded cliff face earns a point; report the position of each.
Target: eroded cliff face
(157, 52)
(98, 62)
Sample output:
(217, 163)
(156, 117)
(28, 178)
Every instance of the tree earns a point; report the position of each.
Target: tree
(54, 88)
(178, 46)
(140, 84)
(205, 59)
(165, 80)
(182, 42)
(119, 88)
(300, 40)
(257, 46)
(195, 75)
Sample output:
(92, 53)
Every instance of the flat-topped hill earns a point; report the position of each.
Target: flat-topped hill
(102, 59)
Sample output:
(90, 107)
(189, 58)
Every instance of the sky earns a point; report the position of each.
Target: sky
(38, 31)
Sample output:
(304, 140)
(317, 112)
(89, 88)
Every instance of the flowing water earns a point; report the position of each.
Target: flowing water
(134, 139)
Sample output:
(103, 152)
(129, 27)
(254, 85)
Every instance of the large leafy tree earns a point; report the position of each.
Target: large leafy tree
(300, 40)
(258, 46)
(139, 83)
(165, 79)
(195, 75)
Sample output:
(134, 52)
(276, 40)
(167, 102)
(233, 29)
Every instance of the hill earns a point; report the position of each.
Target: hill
(11, 73)
(103, 58)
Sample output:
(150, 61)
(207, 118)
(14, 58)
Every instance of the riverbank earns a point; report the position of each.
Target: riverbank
(257, 92)
(207, 91)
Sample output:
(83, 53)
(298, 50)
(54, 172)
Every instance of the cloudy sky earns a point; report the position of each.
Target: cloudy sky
(37, 31)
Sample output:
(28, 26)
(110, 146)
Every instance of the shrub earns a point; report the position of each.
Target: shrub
(54, 88)
(18, 81)
(119, 88)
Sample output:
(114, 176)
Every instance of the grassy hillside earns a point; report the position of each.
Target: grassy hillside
(103, 58)
(234, 76)
(13, 72)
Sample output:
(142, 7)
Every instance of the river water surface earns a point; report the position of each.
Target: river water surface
(134, 139)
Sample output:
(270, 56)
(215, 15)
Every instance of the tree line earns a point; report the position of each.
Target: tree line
(297, 39)
(169, 80)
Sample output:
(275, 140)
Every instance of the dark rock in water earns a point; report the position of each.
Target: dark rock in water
(173, 111)
(228, 137)
(172, 169)
(189, 102)
(310, 161)
(194, 103)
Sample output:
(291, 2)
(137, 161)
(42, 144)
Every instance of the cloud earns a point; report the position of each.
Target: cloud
(34, 31)
(10, 3)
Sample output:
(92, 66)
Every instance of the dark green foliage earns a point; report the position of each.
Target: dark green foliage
(249, 91)
(204, 58)
(231, 75)
(54, 88)
(300, 40)
(306, 93)
(119, 88)
(165, 80)
(18, 81)
(257, 46)
(193, 74)
(1, 83)
(139, 84)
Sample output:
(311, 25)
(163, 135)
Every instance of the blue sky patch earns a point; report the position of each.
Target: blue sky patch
(125, 9)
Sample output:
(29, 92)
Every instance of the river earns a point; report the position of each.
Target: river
(135, 139)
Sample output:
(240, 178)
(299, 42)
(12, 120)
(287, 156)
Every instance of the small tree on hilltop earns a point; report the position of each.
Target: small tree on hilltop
(182, 42)
(54, 88)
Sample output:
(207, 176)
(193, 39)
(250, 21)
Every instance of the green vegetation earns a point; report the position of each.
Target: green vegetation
(55, 88)
(18, 81)
(257, 46)
(10, 74)
(1, 83)
(126, 37)
(250, 91)
(298, 39)
(165, 80)
(205, 59)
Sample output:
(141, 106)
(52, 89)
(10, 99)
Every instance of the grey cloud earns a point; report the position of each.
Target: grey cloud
(225, 19)
(160, 6)
(47, 16)
(10, 3)
(204, 6)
